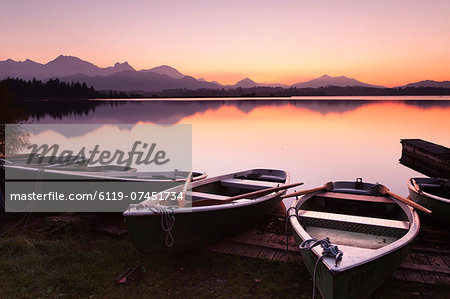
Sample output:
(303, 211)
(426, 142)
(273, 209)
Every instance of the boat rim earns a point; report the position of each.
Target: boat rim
(234, 204)
(105, 177)
(329, 262)
(423, 193)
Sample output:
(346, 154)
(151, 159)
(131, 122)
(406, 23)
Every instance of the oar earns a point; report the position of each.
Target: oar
(328, 186)
(262, 192)
(183, 192)
(249, 195)
(384, 190)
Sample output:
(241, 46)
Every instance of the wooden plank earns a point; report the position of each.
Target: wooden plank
(292, 241)
(280, 240)
(421, 248)
(426, 157)
(267, 253)
(431, 278)
(431, 269)
(281, 256)
(222, 248)
(236, 249)
(248, 184)
(359, 220)
(250, 234)
(266, 237)
(398, 275)
(439, 261)
(425, 146)
(252, 251)
(274, 245)
(356, 197)
(446, 259)
(203, 195)
(273, 239)
(413, 276)
(419, 258)
(445, 278)
(408, 259)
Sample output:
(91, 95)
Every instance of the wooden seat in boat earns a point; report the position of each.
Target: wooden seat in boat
(248, 184)
(201, 196)
(368, 225)
(357, 197)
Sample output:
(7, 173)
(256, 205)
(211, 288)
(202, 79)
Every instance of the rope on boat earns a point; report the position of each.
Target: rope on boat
(287, 224)
(167, 222)
(329, 250)
(27, 215)
(374, 189)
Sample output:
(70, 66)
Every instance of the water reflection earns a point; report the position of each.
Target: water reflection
(316, 141)
(169, 111)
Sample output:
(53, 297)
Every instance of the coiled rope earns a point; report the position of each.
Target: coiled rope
(167, 222)
(329, 250)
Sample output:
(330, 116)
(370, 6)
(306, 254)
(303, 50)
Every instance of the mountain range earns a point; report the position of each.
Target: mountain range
(429, 83)
(124, 77)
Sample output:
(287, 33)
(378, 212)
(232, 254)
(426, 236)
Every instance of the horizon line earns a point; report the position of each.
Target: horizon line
(243, 77)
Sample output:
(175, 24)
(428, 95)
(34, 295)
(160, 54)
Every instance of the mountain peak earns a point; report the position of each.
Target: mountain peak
(246, 83)
(429, 83)
(166, 70)
(326, 80)
(125, 66)
(67, 58)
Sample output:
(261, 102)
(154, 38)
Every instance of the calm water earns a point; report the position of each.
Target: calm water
(315, 140)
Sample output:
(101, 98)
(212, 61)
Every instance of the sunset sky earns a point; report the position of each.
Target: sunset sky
(381, 42)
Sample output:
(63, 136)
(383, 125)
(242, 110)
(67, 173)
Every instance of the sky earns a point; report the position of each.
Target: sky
(387, 43)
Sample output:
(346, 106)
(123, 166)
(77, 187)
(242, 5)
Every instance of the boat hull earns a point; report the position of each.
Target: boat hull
(373, 231)
(440, 207)
(201, 224)
(194, 229)
(118, 189)
(357, 282)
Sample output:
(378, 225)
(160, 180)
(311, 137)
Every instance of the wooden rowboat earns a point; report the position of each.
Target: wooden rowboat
(211, 209)
(433, 194)
(372, 232)
(76, 179)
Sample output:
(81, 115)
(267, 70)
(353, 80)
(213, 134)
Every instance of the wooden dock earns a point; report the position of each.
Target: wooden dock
(428, 261)
(425, 157)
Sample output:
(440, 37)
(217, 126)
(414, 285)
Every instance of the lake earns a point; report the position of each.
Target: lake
(315, 139)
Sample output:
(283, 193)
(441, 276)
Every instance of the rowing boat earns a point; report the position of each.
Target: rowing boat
(212, 208)
(364, 236)
(432, 193)
(116, 184)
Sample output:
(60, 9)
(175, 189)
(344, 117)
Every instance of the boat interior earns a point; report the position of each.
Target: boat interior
(221, 191)
(364, 221)
(438, 187)
(79, 165)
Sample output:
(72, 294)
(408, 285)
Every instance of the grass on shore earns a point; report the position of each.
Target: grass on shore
(70, 261)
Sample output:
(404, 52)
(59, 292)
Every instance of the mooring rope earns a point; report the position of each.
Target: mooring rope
(329, 250)
(167, 222)
(287, 224)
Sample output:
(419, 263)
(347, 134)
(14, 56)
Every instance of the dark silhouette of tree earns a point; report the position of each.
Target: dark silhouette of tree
(53, 88)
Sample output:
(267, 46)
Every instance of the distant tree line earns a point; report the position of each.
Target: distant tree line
(288, 92)
(54, 88)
